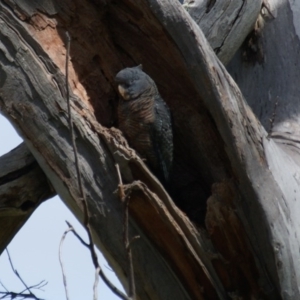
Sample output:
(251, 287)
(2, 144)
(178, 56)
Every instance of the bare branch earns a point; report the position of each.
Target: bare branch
(14, 295)
(3, 286)
(95, 297)
(61, 262)
(77, 235)
(22, 294)
(133, 240)
(71, 127)
(82, 195)
(23, 186)
(81, 191)
(112, 287)
(125, 201)
(18, 275)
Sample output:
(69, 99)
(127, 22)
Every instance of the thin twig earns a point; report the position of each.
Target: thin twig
(37, 286)
(127, 243)
(21, 294)
(71, 125)
(81, 191)
(3, 286)
(20, 278)
(121, 187)
(14, 295)
(133, 240)
(77, 235)
(131, 289)
(15, 271)
(62, 264)
(113, 288)
(96, 283)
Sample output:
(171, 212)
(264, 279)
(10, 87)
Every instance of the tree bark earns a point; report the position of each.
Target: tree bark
(23, 186)
(224, 23)
(221, 150)
(266, 70)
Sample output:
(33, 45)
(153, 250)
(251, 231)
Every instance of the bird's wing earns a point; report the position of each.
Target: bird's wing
(162, 137)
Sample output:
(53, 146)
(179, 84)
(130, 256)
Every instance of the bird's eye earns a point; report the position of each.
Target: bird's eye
(126, 85)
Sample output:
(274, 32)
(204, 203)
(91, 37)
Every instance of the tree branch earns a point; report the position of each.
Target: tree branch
(98, 269)
(23, 186)
(216, 139)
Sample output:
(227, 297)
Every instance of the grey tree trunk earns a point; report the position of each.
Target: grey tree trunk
(268, 74)
(237, 235)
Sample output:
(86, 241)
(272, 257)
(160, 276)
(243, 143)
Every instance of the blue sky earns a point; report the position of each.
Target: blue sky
(34, 250)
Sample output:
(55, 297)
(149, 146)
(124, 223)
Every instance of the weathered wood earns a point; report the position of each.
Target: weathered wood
(217, 139)
(272, 80)
(227, 234)
(23, 186)
(266, 69)
(33, 96)
(224, 23)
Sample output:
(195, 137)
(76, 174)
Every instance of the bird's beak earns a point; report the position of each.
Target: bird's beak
(123, 92)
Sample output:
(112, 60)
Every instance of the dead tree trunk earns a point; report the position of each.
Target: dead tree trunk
(239, 238)
(23, 186)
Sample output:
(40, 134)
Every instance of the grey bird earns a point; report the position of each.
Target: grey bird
(145, 120)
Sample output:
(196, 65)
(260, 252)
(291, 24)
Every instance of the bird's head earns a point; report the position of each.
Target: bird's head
(133, 82)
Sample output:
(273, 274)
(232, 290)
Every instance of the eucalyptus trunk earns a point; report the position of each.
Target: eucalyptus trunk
(226, 227)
